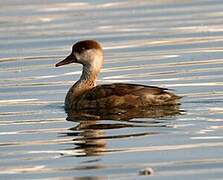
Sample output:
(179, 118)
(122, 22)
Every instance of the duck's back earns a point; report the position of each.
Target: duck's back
(120, 95)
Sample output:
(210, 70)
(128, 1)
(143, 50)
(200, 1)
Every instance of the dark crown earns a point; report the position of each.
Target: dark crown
(81, 46)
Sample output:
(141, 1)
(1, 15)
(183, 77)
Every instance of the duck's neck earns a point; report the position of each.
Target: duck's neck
(86, 82)
(88, 78)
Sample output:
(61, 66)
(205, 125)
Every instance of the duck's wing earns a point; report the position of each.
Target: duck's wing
(121, 89)
(125, 96)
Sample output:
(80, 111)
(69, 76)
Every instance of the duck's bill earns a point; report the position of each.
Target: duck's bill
(69, 59)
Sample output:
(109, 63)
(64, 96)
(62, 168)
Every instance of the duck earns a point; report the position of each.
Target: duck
(85, 94)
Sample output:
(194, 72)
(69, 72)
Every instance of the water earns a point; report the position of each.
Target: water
(173, 44)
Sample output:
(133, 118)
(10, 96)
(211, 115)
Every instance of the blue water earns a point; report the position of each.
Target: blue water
(172, 44)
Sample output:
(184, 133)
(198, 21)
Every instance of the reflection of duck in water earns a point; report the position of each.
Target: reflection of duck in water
(90, 135)
(89, 141)
(84, 94)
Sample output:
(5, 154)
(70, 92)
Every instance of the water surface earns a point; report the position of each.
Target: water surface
(173, 44)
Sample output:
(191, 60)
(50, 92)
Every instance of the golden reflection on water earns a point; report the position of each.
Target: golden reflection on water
(164, 43)
(90, 137)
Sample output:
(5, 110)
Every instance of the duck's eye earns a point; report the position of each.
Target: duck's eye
(81, 49)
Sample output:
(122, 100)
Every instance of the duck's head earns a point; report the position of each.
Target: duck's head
(89, 53)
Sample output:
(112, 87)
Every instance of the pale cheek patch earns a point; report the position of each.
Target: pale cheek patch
(77, 56)
(91, 57)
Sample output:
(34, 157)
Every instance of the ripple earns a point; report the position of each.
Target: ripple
(174, 44)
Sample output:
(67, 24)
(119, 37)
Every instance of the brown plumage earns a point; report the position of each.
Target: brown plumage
(84, 94)
(121, 95)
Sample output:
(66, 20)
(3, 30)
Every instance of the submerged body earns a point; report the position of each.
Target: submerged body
(84, 94)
